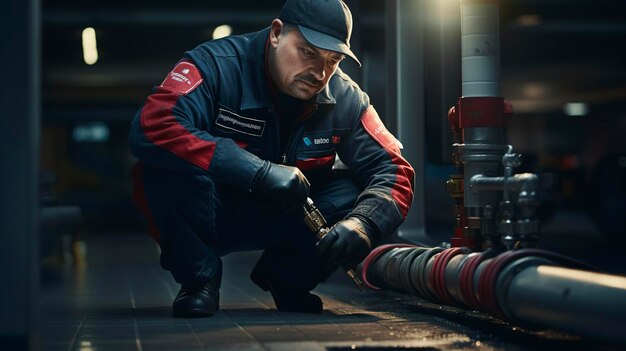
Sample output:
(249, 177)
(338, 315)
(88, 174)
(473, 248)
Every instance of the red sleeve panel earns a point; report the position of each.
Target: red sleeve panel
(171, 130)
(402, 188)
(162, 128)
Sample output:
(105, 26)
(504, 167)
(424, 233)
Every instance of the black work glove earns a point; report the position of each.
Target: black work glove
(347, 243)
(285, 188)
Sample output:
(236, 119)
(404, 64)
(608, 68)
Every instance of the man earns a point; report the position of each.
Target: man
(237, 136)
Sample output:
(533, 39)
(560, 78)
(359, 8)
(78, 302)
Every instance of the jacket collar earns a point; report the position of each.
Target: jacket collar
(257, 89)
(324, 96)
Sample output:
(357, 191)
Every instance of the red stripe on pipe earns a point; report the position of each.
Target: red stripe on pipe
(372, 256)
(466, 285)
(433, 277)
(438, 276)
(489, 278)
(466, 279)
(486, 285)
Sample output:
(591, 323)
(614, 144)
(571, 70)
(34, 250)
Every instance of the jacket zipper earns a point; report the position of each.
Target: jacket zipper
(276, 121)
(296, 131)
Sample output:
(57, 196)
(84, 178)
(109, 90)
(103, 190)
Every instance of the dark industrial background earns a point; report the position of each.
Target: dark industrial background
(554, 53)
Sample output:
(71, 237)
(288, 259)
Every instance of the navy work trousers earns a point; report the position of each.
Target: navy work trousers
(196, 221)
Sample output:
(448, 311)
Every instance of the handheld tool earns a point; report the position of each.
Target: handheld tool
(315, 220)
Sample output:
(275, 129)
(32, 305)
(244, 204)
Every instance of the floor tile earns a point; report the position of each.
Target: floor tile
(121, 300)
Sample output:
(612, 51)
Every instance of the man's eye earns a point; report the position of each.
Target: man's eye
(307, 52)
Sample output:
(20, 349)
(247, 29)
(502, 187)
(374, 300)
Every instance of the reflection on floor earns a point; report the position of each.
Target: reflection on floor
(121, 300)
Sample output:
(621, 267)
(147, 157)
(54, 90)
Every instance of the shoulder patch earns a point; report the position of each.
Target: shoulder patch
(184, 78)
(375, 127)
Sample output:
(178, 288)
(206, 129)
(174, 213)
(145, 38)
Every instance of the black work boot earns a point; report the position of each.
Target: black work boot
(287, 298)
(201, 300)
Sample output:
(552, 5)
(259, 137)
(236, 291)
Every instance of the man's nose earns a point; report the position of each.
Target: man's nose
(318, 71)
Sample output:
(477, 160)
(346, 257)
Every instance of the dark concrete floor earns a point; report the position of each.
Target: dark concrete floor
(120, 299)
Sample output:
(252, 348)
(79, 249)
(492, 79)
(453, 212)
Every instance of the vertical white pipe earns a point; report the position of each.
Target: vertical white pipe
(480, 48)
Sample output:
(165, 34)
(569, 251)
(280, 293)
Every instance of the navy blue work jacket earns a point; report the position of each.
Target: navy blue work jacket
(213, 115)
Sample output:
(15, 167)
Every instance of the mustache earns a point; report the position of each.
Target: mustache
(309, 79)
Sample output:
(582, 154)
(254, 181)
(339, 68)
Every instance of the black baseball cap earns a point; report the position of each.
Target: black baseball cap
(326, 24)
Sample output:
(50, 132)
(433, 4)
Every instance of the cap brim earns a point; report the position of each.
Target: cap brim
(326, 42)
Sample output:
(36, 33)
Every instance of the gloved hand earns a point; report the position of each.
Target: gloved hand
(284, 187)
(347, 243)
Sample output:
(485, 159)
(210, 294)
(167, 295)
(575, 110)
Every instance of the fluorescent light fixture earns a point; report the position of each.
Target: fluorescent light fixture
(534, 90)
(222, 31)
(576, 109)
(90, 48)
(528, 20)
(95, 132)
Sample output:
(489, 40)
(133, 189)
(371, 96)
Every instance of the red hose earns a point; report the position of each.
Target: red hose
(486, 283)
(437, 276)
(489, 277)
(466, 278)
(373, 255)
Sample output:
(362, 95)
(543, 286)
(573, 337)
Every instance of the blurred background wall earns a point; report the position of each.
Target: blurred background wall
(76, 72)
(563, 69)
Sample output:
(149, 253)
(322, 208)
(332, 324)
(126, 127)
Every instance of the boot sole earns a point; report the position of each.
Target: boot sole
(264, 284)
(193, 313)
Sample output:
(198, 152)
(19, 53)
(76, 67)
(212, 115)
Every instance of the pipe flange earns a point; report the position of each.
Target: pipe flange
(372, 257)
(466, 278)
(483, 148)
(438, 274)
(406, 267)
(507, 274)
(487, 281)
(420, 280)
(453, 278)
(393, 275)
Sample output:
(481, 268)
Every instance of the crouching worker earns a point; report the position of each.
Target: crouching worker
(237, 136)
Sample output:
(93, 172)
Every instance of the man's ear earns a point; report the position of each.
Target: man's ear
(277, 26)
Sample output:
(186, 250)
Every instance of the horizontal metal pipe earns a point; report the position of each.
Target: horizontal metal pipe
(530, 290)
(516, 183)
(591, 304)
(453, 269)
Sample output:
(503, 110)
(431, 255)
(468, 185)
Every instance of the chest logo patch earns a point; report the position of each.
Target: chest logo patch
(184, 78)
(246, 125)
(321, 141)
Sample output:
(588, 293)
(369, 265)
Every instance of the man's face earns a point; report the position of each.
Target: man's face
(297, 68)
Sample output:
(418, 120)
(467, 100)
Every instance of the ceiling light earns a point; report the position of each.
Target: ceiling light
(95, 132)
(90, 48)
(222, 31)
(534, 90)
(576, 109)
(528, 20)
